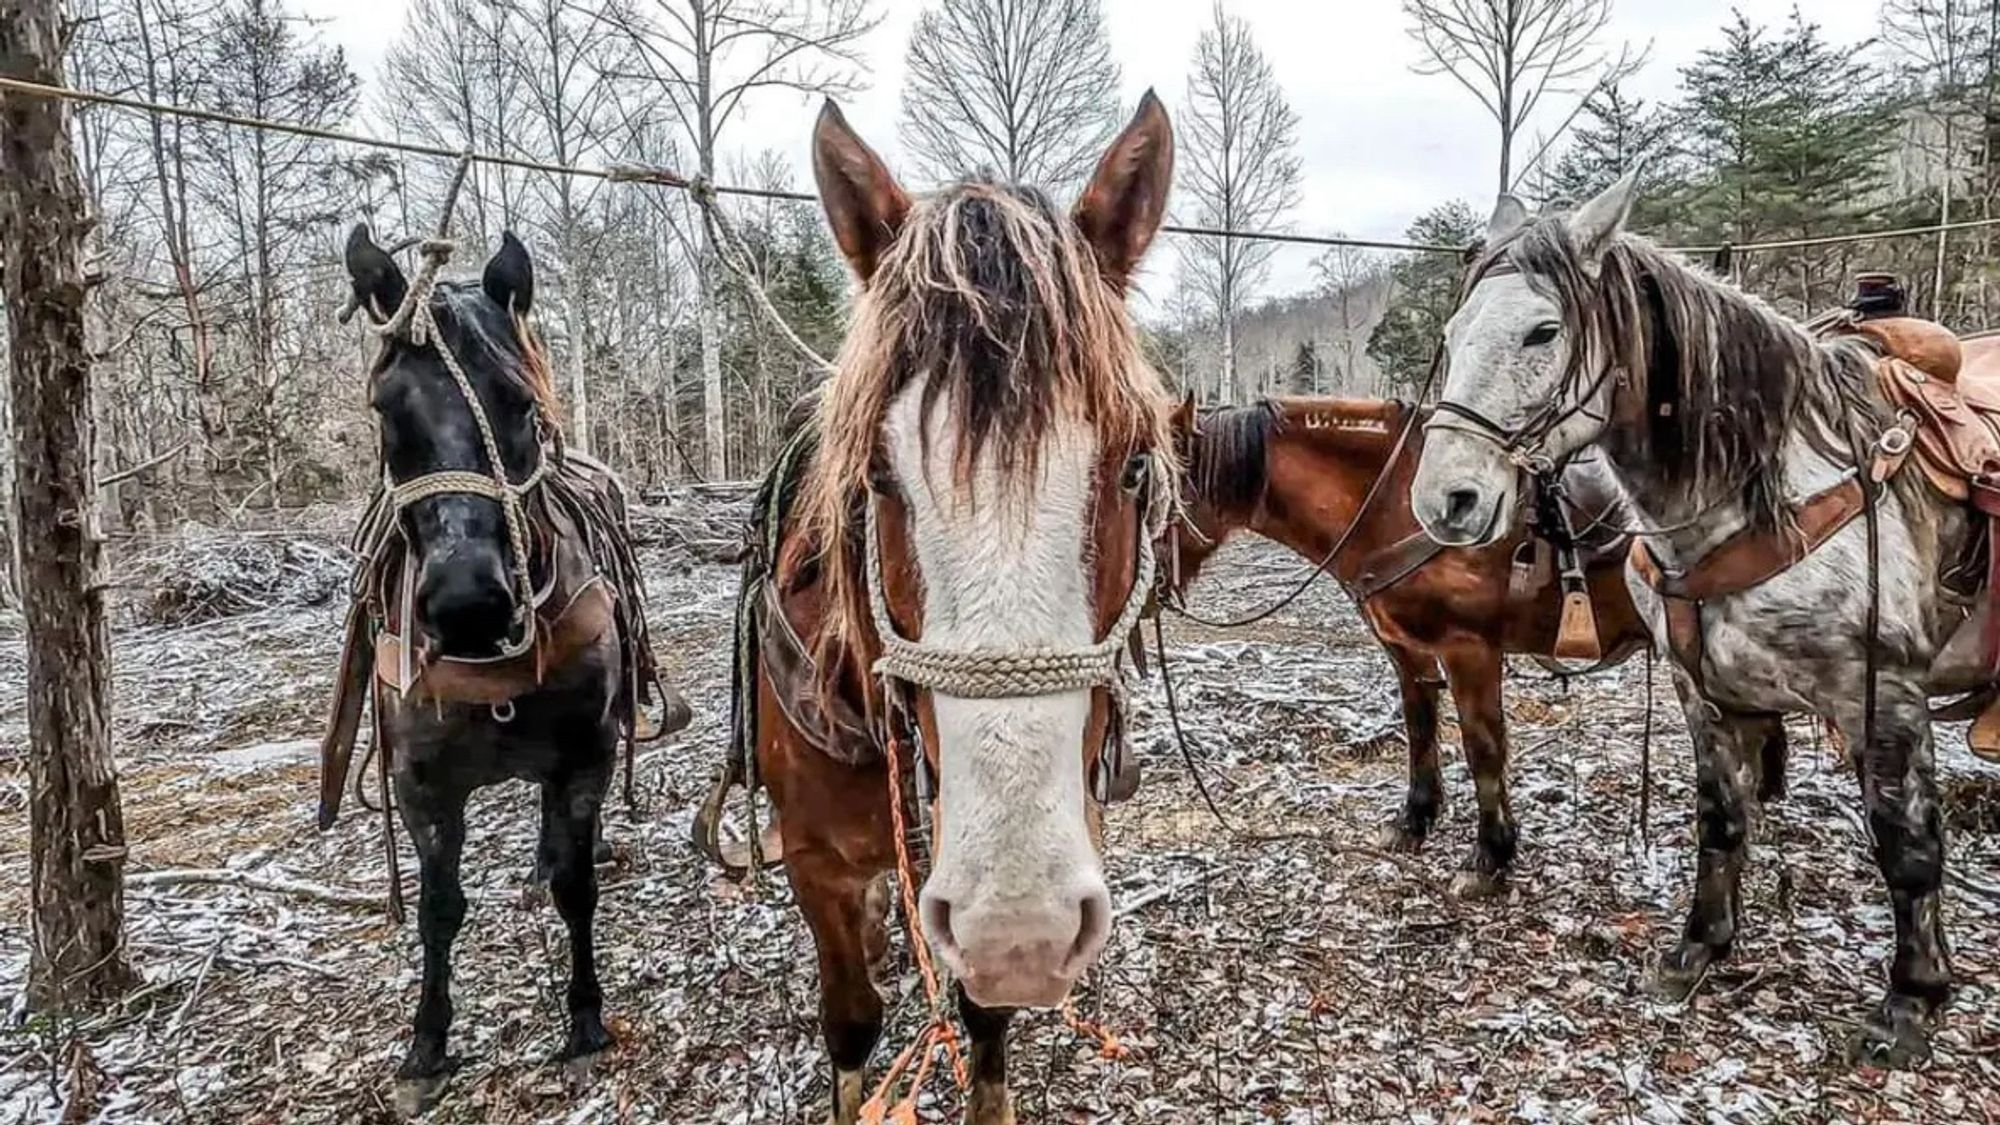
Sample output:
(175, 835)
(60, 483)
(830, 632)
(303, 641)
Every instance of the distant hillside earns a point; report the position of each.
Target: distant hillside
(1316, 344)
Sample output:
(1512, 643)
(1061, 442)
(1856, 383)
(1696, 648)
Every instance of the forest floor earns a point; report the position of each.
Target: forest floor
(1279, 971)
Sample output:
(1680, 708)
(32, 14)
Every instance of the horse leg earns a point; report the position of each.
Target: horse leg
(436, 823)
(1417, 676)
(845, 920)
(1474, 674)
(1900, 794)
(545, 849)
(1725, 748)
(570, 814)
(1773, 755)
(987, 1029)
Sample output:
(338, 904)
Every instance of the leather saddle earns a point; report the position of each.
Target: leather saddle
(1951, 396)
(1946, 393)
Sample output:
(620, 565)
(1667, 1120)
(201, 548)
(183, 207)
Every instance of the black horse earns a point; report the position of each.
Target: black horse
(497, 621)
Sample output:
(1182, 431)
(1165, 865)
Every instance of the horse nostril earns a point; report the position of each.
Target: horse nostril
(1094, 929)
(1459, 504)
(935, 912)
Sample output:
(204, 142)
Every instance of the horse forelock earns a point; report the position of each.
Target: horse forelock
(1723, 376)
(991, 297)
(506, 342)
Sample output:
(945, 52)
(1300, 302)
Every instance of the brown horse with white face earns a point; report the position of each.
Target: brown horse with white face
(968, 549)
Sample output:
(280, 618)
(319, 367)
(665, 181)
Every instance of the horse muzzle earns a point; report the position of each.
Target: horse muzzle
(1021, 954)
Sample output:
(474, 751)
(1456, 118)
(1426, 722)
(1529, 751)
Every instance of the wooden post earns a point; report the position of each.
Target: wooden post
(76, 830)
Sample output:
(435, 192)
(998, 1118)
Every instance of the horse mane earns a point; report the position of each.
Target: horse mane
(991, 295)
(1226, 454)
(1724, 377)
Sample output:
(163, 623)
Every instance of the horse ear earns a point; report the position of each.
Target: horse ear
(379, 287)
(1597, 222)
(1184, 413)
(1120, 210)
(1509, 215)
(864, 204)
(510, 275)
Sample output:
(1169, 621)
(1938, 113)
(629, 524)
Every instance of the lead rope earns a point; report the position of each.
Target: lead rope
(939, 1032)
(984, 674)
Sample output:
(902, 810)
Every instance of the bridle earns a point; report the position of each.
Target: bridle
(1524, 446)
(414, 323)
(1025, 673)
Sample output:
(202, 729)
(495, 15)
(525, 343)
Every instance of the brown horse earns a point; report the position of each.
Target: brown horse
(1296, 470)
(967, 543)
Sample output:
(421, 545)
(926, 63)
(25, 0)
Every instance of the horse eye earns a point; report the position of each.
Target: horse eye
(1541, 334)
(1136, 469)
(881, 481)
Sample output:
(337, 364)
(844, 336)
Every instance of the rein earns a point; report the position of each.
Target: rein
(1173, 599)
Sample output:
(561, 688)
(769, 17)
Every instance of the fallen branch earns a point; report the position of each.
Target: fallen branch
(219, 877)
(145, 466)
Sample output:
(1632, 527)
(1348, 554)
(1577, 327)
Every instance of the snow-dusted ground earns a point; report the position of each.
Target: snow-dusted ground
(1280, 970)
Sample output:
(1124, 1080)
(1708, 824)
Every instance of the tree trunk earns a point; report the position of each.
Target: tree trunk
(76, 830)
(714, 440)
(578, 434)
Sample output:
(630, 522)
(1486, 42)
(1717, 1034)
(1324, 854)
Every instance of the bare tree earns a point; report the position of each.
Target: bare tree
(564, 66)
(273, 201)
(1239, 169)
(1347, 274)
(76, 829)
(1514, 54)
(1026, 88)
(705, 58)
(449, 81)
(1940, 46)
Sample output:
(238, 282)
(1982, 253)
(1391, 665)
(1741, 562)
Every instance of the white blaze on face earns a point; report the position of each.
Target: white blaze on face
(1016, 904)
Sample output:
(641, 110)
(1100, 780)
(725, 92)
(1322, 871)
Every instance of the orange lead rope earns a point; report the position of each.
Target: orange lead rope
(940, 1032)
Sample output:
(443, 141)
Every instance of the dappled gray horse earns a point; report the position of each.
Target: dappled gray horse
(1737, 433)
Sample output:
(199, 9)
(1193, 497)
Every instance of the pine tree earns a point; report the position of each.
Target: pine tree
(1614, 134)
(1425, 293)
(1789, 134)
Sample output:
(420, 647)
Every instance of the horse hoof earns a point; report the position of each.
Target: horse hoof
(416, 1096)
(1896, 1039)
(1679, 973)
(603, 854)
(1472, 884)
(1397, 836)
(588, 1038)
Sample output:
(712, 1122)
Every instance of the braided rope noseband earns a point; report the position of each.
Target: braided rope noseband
(414, 322)
(988, 673)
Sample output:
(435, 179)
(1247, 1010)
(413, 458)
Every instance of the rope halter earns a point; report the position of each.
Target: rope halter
(994, 673)
(414, 322)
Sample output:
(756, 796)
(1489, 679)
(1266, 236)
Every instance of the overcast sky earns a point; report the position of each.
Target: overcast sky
(1378, 143)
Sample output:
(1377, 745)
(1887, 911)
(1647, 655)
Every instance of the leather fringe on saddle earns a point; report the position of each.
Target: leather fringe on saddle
(580, 503)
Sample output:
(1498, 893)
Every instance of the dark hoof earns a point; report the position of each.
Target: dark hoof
(1399, 835)
(415, 1096)
(1680, 972)
(588, 1037)
(675, 714)
(1472, 884)
(1895, 1039)
(603, 854)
